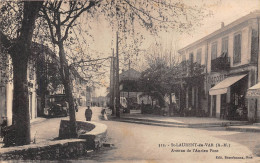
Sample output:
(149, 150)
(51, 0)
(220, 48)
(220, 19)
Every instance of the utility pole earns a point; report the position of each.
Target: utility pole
(112, 83)
(128, 75)
(117, 80)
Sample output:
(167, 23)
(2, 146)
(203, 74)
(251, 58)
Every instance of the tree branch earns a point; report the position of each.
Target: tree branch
(5, 41)
(91, 4)
(50, 25)
(91, 60)
(148, 15)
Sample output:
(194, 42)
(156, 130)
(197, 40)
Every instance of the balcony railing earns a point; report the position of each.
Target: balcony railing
(220, 63)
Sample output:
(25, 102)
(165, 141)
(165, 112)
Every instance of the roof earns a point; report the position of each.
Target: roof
(243, 19)
(39, 48)
(130, 74)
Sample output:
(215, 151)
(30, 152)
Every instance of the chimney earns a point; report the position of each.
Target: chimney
(222, 24)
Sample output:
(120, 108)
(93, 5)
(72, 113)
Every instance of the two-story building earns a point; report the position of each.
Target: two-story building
(230, 56)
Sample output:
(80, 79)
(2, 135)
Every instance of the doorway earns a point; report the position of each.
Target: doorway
(30, 104)
(214, 99)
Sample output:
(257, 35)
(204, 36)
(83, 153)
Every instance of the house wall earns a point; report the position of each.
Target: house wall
(7, 94)
(244, 30)
(6, 91)
(9, 103)
(31, 77)
(243, 26)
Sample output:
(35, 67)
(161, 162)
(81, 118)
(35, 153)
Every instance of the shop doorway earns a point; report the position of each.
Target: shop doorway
(214, 99)
(2, 103)
(239, 103)
(190, 97)
(30, 104)
(223, 104)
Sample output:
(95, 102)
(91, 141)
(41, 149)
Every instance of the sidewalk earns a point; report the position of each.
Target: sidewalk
(245, 128)
(187, 122)
(44, 132)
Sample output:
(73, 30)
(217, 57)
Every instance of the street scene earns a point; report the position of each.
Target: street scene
(130, 81)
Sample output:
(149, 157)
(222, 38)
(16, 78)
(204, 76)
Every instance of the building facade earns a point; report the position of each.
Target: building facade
(230, 58)
(6, 89)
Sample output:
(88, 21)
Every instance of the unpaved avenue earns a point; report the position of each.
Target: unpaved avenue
(142, 143)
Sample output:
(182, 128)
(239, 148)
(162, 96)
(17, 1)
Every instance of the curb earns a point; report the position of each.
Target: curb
(95, 137)
(38, 120)
(176, 124)
(243, 129)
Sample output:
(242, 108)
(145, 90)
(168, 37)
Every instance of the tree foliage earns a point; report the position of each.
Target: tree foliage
(130, 18)
(162, 78)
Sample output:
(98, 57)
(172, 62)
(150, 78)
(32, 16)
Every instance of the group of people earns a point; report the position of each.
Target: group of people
(88, 114)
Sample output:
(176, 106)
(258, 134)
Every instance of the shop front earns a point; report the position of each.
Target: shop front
(253, 97)
(228, 97)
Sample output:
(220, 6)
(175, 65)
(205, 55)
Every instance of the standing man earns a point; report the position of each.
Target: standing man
(88, 114)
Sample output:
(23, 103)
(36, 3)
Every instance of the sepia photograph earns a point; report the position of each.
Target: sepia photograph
(130, 81)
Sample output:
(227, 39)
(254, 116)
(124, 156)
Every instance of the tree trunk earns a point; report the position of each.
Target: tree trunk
(20, 53)
(65, 75)
(21, 117)
(171, 107)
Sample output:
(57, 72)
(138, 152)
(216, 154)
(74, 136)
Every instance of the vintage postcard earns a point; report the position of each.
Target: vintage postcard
(130, 81)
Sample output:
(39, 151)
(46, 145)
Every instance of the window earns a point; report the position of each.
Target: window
(224, 49)
(3, 69)
(183, 58)
(254, 46)
(198, 58)
(214, 50)
(237, 49)
(191, 58)
(31, 72)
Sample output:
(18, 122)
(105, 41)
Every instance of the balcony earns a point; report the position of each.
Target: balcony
(220, 64)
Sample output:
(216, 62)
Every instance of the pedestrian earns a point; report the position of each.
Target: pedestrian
(88, 114)
(142, 107)
(76, 105)
(104, 114)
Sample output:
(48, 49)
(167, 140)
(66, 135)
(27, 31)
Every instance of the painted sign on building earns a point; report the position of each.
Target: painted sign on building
(216, 78)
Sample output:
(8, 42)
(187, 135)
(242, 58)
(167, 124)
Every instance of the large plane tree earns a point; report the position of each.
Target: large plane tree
(16, 31)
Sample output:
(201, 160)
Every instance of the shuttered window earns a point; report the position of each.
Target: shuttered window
(183, 58)
(224, 48)
(237, 49)
(214, 50)
(191, 58)
(198, 58)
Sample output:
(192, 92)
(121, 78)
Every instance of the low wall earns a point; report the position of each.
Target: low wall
(94, 133)
(60, 149)
(82, 128)
(93, 138)
(96, 137)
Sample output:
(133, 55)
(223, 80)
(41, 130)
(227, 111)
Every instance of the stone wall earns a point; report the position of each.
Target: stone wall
(62, 149)
(82, 128)
(91, 137)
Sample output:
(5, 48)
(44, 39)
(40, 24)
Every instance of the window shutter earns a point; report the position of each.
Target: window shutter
(237, 48)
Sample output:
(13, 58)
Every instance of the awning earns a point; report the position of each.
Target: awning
(254, 91)
(222, 87)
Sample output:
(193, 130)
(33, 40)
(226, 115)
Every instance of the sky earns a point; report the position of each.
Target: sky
(225, 11)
